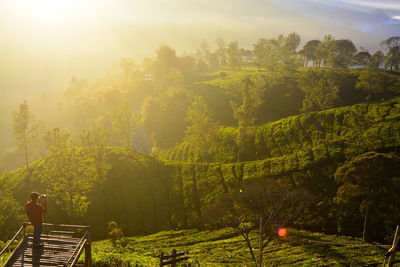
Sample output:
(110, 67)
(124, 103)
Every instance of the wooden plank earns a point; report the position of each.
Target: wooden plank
(56, 237)
(59, 241)
(62, 233)
(174, 261)
(394, 247)
(175, 255)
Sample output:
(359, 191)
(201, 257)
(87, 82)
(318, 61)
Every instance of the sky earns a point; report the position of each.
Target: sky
(46, 42)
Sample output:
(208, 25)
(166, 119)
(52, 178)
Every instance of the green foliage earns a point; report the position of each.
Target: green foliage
(376, 84)
(297, 142)
(320, 92)
(25, 130)
(115, 233)
(369, 185)
(164, 117)
(202, 129)
(225, 247)
(124, 124)
(69, 173)
(245, 113)
(10, 215)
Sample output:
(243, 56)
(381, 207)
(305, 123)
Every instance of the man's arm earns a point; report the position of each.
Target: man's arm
(44, 203)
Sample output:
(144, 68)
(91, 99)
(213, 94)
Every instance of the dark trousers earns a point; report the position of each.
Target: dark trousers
(37, 231)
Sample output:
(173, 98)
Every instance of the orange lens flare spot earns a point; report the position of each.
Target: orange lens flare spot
(282, 232)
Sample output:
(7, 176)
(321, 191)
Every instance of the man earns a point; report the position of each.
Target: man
(35, 212)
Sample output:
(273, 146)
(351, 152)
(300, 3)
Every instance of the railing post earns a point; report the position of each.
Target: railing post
(88, 250)
(161, 259)
(394, 246)
(173, 264)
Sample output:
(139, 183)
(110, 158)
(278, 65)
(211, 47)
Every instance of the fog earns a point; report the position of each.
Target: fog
(46, 42)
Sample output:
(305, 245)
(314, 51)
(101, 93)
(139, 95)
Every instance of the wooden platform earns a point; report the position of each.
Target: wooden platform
(57, 250)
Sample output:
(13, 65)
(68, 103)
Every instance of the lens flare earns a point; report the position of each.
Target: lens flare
(282, 232)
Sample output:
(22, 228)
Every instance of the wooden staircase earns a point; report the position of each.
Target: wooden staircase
(60, 248)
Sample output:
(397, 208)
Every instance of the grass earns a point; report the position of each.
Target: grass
(225, 247)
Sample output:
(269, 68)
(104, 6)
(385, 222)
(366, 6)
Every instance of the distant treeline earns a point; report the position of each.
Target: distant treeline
(153, 98)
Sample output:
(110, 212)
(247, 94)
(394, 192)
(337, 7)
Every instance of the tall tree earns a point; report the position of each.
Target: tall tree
(94, 144)
(393, 57)
(233, 52)
(245, 114)
(221, 51)
(166, 60)
(321, 91)
(345, 51)
(69, 174)
(124, 124)
(326, 50)
(260, 52)
(202, 129)
(25, 130)
(308, 51)
(271, 204)
(378, 58)
(369, 184)
(361, 59)
(292, 42)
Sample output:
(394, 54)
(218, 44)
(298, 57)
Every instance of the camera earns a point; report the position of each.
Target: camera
(43, 196)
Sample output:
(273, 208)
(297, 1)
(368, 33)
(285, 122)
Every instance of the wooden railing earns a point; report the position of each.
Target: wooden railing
(83, 244)
(22, 229)
(174, 258)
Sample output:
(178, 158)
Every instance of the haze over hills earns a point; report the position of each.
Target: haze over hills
(90, 36)
(46, 42)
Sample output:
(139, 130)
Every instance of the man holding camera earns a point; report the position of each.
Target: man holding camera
(35, 212)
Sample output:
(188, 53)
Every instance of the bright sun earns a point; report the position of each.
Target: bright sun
(51, 10)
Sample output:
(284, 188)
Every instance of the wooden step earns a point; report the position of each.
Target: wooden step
(62, 233)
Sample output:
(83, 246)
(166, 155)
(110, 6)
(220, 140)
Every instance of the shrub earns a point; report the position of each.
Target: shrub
(116, 234)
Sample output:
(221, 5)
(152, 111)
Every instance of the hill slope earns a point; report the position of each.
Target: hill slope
(225, 247)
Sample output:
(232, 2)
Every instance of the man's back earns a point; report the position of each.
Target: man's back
(35, 212)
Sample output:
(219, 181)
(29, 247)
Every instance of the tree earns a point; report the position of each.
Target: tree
(292, 42)
(245, 114)
(361, 59)
(221, 51)
(233, 52)
(393, 57)
(25, 130)
(259, 52)
(10, 214)
(94, 145)
(69, 174)
(321, 91)
(163, 117)
(124, 124)
(308, 51)
(374, 82)
(370, 183)
(378, 58)
(166, 60)
(202, 129)
(345, 49)
(271, 204)
(326, 51)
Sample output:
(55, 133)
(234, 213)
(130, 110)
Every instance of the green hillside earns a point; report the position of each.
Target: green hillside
(297, 142)
(225, 247)
(145, 195)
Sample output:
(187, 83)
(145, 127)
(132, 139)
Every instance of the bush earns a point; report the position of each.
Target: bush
(116, 234)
